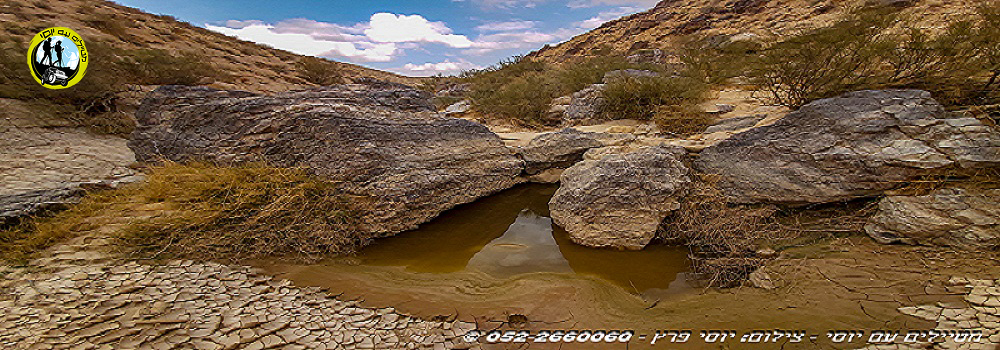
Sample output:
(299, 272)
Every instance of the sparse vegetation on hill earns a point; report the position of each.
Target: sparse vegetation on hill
(204, 211)
(131, 50)
(521, 89)
(864, 51)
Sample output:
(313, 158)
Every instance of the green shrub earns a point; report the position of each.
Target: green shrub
(640, 97)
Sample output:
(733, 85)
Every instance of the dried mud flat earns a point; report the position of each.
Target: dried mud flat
(79, 298)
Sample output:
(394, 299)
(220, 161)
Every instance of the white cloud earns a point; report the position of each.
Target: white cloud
(392, 28)
(506, 26)
(306, 44)
(445, 68)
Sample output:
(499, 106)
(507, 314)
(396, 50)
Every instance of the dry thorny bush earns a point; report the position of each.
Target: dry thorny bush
(728, 242)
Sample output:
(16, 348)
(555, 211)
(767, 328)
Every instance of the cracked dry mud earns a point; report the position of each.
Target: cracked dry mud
(980, 312)
(79, 298)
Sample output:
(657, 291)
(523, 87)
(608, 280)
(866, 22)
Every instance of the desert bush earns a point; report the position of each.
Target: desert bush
(319, 71)
(877, 49)
(641, 97)
(204, 211)
(161, 67)
(520, 89)
(825, 62)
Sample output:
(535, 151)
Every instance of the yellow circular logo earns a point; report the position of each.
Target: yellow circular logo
(57, 58)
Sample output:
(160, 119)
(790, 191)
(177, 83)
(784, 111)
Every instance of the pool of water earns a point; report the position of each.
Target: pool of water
(511, 233)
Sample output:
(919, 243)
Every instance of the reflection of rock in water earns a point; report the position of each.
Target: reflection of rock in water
(526, 246)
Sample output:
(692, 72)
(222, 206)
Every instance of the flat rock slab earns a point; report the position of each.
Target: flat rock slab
(383, 141)
(855, 145)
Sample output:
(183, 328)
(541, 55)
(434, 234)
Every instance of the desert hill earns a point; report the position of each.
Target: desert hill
(106, 26)
(671, 20)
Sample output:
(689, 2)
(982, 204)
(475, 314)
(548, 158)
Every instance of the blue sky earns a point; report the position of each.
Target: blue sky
(415, 37)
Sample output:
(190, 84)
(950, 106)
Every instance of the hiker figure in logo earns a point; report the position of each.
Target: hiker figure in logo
(46, 47)
(59, 50)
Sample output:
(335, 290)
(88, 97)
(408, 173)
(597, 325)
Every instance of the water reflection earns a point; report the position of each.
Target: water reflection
(511, 233)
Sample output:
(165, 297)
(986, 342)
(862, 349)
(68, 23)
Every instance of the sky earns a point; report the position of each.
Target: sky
(409, 37)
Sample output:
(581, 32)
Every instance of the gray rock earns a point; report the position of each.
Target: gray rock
(562, 149)
(585, 106)
(967, 219)
(720, 108)
(460, 107)
(855, 145)
(628, 73)
(733, 124)
(619, 200)
(383, 141)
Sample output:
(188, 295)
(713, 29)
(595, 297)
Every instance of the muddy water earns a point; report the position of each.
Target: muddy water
(511, 234)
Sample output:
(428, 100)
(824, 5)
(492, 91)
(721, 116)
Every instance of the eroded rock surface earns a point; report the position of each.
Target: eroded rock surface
(585, 105)
(384, 141)
(619, 200)
(48, 163)
(855, 145)
(954, 217)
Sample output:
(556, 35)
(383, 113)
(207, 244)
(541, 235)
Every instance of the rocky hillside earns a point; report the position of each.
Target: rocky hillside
(236, 64)
(670, 20)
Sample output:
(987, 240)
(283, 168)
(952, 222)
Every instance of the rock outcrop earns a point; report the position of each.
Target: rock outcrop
(855, 145)
(46, 163)
(967, 219)
(383, 141)
(619, 200)
(585, 105)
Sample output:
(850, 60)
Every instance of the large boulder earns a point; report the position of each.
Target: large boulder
(855, 145)
(619, 200)
(968, 219)
(383, 141)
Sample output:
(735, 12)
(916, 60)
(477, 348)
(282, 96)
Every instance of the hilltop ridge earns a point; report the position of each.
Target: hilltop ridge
(662, 26)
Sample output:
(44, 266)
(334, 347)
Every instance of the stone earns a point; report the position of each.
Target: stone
(735, 124)
(619, 200)
(459, 108)
(720, 108)
(585, 106)
(857, 145)
(954, 217)
(384, 141)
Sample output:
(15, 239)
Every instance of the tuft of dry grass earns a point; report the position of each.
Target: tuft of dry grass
(203, 211)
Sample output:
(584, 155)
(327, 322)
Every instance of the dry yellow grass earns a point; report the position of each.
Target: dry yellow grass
(208, 212)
